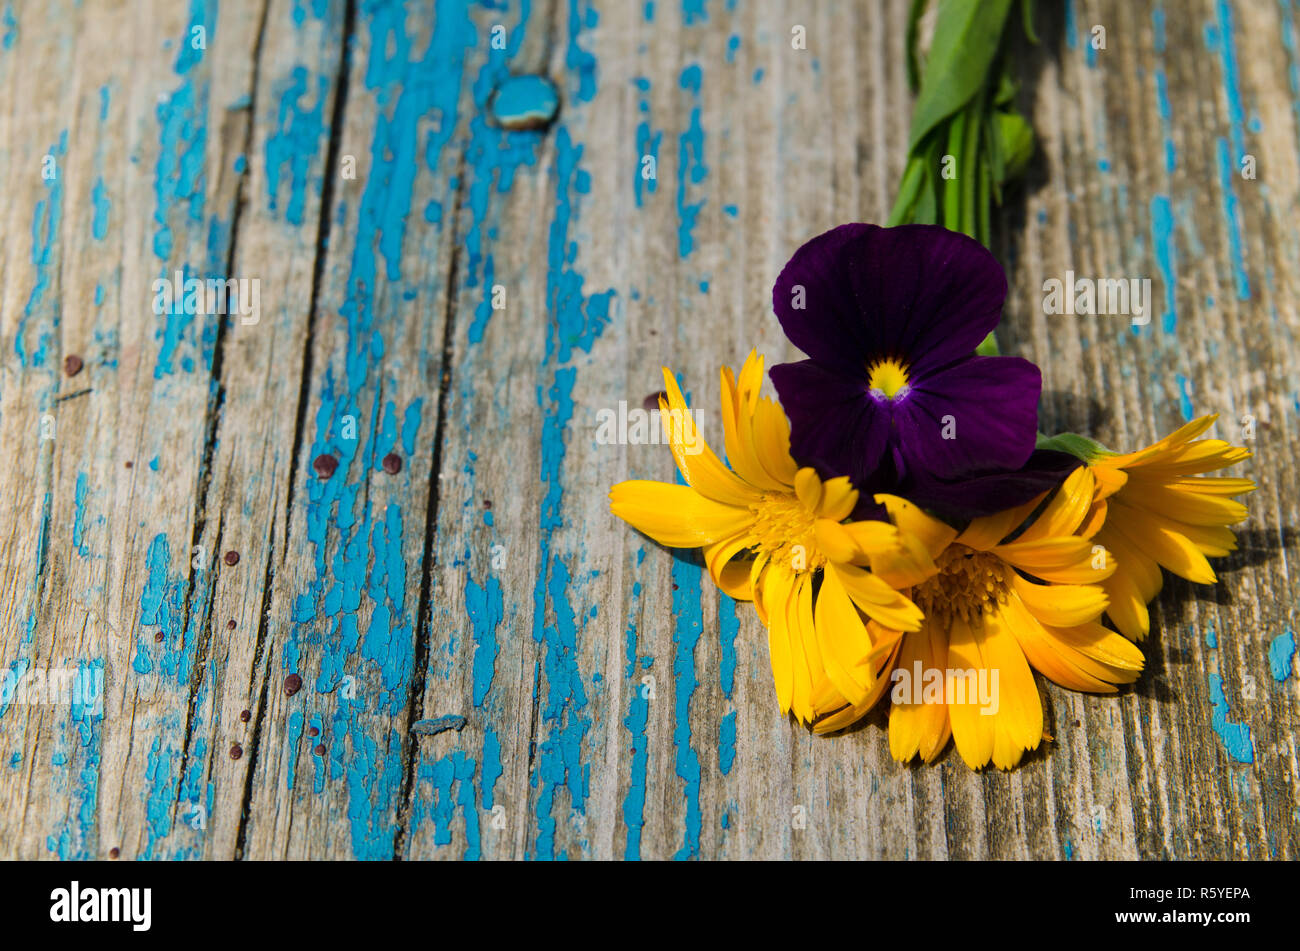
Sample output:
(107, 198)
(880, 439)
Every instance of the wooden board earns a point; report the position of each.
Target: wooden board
(614, 705)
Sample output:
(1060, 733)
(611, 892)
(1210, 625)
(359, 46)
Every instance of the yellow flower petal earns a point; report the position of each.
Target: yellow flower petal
(1061, 604)
(842, 637)
(675, 515)
(918, 728)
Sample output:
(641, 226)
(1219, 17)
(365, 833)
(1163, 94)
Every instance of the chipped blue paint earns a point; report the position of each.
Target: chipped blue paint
(79, 516)
(688, 626)
(159, 796)
(1162, 234)
(647, 145)
(1158, 29)
(451, 779)
(10, 24)
(728, 631)
(1232, 218)
(483, 605)
(727, 742)
(1166, 116)
(733, 44)
(1280, 652)
(76, 835)
(638, 716)
(579, 61)
(690, 157)
(1211, 638)
(1225, 45)
(46, 219)
(100, 205)
(492, 769)
(179, 180)
(1235, 736)
(297, 143)
(1184, 397)
(695, 11)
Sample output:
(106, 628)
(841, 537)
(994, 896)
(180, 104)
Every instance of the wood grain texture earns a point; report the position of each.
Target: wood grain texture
(615, 705)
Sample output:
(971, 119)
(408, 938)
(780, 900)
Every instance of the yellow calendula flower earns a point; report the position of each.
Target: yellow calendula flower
(1157, 510)
(760, 524)
(999, 597)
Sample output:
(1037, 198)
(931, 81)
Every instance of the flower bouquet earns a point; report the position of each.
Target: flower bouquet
(906, 534)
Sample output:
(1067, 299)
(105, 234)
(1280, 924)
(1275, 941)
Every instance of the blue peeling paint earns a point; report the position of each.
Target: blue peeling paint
(690, 167)
(638, 716)
(647, 146)
(297, 143)
(1235, 736)
(10, 24)
(79, 516)
(1232, 217)
(1280, 652)
(100, 204)
(1185, 397)
(180, 182)
(688, 626)
(1162, 237)
(46, 220)
(727, 742)
(483, 605)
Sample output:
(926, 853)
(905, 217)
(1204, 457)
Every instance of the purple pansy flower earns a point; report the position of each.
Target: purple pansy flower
(893, 394)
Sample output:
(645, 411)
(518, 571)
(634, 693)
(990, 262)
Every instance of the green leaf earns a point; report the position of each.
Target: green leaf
(1015, 141)
(914, 179)
(1027, 19)
(1080, 446)
(914, 14)
(966, 40)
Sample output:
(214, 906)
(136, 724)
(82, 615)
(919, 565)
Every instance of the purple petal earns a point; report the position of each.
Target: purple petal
(920, 293)
(835, 425)
(983, 494)
(987, 405)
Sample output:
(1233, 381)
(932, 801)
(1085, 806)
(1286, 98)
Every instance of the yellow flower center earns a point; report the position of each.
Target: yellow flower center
(783, 530)
(887, 378)
(967, 586)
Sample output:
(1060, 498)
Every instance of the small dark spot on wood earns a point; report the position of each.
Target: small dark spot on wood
(158, 637)
(232, 558)
(312, 731)
(392, 463)
(325, 465)
(451, 721)
(245, 715)
(292, 684)
(236, 751)
(72, 364)
(128, 463)
(114, 852)
(674, 586)
(320, 749)
(231, 625)
(487, 504)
